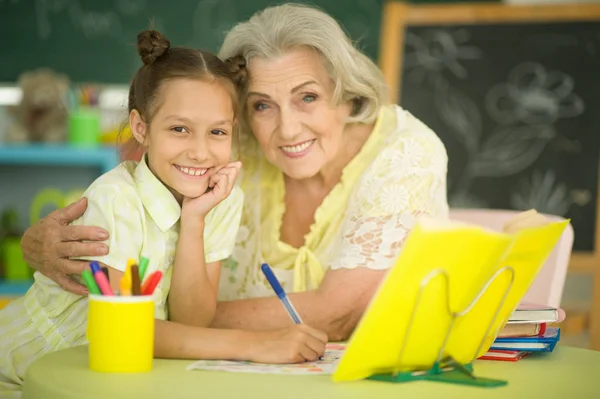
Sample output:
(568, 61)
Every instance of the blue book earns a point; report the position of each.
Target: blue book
(543, 343)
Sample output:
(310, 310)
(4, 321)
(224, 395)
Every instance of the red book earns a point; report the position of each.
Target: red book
(542, 329)
(505, 356)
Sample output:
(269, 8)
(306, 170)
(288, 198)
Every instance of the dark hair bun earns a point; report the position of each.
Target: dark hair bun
(237, 69)
(151, 44)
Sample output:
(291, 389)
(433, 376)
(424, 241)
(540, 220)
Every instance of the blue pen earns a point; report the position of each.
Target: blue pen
(280, 293)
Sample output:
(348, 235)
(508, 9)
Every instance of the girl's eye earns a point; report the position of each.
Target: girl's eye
(218, 132)
(179, 129)
(260, 106)
(309, 98)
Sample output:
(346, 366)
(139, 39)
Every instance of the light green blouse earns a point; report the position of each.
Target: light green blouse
(142, 218)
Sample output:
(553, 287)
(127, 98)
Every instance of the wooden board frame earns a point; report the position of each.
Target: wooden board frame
(397, 15)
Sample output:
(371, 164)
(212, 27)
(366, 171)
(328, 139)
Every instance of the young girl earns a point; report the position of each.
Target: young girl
(178, 207)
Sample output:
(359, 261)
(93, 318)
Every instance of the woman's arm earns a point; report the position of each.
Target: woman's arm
(48, 244)
(298, 343)
(335, 307)
(372, 234)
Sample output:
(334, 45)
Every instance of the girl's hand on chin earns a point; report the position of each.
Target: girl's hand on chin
(220, 185)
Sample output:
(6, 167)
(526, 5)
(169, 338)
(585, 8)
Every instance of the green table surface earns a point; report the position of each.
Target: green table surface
(566, 373)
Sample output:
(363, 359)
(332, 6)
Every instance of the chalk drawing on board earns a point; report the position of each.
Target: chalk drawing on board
(581, 197)
(95, 24)
(42, 9)
(435, 51)
(509, 150)
(211, 20)
(566, 145)
(90, 23)
(505, 152)
(542, 192)
(131, 7)
(533, 95)
(460, 113)
(463, 199)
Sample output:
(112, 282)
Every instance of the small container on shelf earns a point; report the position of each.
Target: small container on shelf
(14, 267)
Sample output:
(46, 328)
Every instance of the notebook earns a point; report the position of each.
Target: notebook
(390, 338)
(528, 313)
(504, 355)
(522, 330)
(544, 343)
(326, 365)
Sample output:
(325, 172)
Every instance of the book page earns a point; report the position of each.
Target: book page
(333, 353)
(524, 220)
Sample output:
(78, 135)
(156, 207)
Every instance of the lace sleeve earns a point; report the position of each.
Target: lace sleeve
(406, 181)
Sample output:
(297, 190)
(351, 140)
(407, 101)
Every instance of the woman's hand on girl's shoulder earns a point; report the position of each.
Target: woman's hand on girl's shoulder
(296, 344)
(48, 244)
(220, 185)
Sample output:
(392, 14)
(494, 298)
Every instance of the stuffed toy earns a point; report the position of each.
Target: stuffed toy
(41, 115)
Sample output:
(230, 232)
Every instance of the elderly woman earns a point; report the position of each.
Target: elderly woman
(334, 179)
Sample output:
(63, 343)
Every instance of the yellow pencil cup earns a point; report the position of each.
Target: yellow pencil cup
(120, 332)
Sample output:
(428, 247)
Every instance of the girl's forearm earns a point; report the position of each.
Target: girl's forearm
(178, 341)
(192, 299)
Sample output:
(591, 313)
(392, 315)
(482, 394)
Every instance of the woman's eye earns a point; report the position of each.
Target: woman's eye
(217, 132)
(260, 106)
(309, 98)
(179, 129)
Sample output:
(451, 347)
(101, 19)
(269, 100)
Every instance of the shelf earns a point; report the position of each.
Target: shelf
(14, 288)
(104, 157)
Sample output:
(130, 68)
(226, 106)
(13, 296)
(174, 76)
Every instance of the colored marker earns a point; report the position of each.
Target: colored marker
(105, 271)
(90, 283)
(130, 262)
(143, 267)
(101, 279)
(125, 286)
(151, 283)
(125, 283)
(280, 293)
(136, 288)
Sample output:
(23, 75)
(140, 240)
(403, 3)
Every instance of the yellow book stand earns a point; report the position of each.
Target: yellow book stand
(445, 368)
(441, 305)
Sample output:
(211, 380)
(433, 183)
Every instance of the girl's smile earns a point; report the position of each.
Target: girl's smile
(191, 171)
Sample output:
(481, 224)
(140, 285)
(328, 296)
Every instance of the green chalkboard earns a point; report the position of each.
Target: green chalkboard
(93, 41)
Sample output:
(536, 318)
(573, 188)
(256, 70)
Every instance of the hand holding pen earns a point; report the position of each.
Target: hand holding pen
(287, 304)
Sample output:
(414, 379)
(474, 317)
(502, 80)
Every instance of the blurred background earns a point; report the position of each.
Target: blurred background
(513, 101)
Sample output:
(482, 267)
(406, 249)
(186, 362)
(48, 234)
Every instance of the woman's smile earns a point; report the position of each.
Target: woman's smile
(299, 149)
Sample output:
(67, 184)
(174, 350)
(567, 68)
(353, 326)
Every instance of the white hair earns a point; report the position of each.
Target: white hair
(276, 30)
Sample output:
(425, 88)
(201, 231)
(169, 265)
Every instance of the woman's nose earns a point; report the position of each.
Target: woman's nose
(290, 126)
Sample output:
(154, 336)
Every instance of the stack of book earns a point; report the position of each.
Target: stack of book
(526, 332)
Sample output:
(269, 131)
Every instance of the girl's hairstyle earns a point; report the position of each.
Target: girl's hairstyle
(277, 30)
(163, 63)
